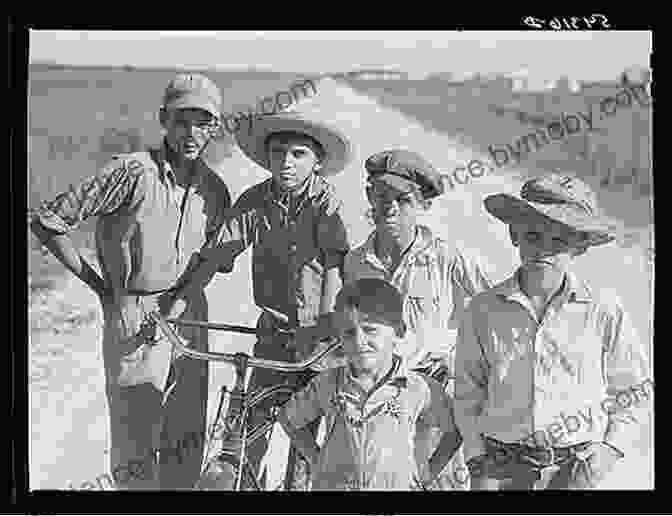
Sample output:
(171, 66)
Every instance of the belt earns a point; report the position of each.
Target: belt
(539, 457)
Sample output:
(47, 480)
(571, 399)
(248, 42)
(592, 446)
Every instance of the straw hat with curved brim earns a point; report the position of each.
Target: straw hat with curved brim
(337, 147)
(557, 198)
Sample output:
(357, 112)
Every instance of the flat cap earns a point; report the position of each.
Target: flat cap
(400, 167)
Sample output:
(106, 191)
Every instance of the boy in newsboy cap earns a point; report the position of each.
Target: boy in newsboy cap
(538, 353)
(436, 278)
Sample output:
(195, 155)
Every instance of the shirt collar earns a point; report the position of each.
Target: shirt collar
(574, 290)
(310, 190)
(163, 158)
(420, 248)
(397, 376)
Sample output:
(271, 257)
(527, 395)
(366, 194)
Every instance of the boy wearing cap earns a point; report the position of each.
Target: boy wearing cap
(372, 404)
(293, 222)
(542, 348)
(435, 278)
(155, 210)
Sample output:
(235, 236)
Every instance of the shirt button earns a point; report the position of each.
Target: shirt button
(292, 248)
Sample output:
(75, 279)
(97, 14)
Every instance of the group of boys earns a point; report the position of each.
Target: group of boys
(439, 368)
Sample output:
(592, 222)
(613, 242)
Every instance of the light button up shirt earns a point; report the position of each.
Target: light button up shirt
(436, 280)
(544, 382)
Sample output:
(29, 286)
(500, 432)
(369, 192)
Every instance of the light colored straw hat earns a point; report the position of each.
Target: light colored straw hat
(337, 147)
(558, 198)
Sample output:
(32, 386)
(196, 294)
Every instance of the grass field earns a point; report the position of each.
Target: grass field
(79, 117)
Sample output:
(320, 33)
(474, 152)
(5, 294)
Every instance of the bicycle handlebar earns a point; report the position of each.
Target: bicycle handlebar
(211, 356)
(249, 330)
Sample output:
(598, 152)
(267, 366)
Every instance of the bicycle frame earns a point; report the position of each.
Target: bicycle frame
(236, 418)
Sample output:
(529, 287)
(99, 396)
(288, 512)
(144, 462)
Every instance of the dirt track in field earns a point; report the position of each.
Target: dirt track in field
(67, 416)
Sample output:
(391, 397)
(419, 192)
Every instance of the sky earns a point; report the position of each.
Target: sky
(586, 55)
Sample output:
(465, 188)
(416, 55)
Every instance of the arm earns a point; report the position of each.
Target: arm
(65, 252)
(471, 385)
(438, 412)
(626, 373)
(115, 185)
(448, 445)
(235, 234)
(302, 439)
(330, 287)
(298, 412)
(471, 274)
(332, 240)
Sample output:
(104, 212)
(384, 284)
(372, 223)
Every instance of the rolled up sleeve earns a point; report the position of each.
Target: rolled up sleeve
(237, 231)
(627, 377)
(472, 273)
(471, 385)
(116, 184)
(332, 235)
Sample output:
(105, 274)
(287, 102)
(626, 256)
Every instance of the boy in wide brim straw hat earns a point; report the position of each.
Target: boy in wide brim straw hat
(337, 150)
(575, 343)
(564, 200)
(293, 222)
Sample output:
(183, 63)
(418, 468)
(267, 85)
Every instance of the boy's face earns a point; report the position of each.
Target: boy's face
(188, 131)
(368, 342)
(394, 211)
(292, 158)
(546, 247)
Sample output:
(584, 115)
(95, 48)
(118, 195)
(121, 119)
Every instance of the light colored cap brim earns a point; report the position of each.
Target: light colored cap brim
(511, 209)
(194, 101)
(337, 147)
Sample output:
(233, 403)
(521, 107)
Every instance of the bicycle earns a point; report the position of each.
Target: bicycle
(228, 470)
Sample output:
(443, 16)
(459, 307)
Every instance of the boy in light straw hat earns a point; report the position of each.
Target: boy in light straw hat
(538, 353)
(293, 222)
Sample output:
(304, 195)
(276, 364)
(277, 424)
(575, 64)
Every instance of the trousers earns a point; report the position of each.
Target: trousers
(156, 445)
(514, 472)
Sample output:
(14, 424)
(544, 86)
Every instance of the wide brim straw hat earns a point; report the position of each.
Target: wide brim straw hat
(337, 147)
(558, 198)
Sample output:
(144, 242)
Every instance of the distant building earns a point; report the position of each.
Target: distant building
(377, 75)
